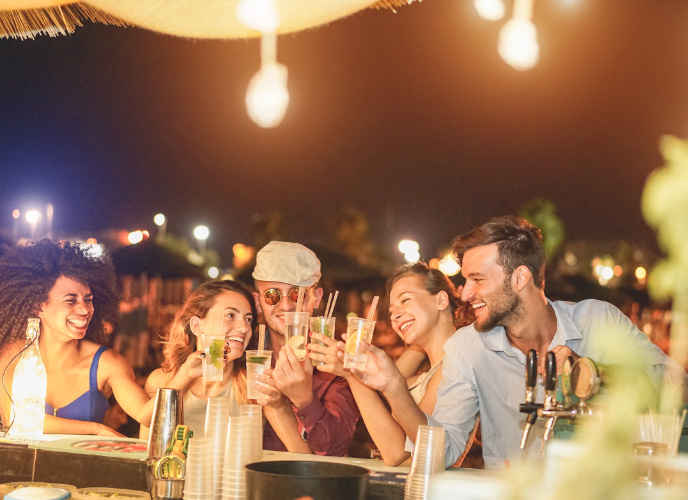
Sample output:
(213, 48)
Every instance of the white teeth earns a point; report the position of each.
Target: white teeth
(478, 305)
(79, 323)
(405, 326)
(236, 339)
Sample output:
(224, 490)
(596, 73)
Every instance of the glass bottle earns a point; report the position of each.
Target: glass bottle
(29, 386)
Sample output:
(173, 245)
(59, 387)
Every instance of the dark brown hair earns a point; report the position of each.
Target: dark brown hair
(519, 243)
(435, 281)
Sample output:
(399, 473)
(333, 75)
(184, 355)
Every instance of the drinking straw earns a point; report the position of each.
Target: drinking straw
(299, 302)
(334, 301)
(261, 337)
(373, 306)
(327, 307)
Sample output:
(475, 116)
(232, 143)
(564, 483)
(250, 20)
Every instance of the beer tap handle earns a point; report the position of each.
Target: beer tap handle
(566, 390)
(550, 372)
(531, 375)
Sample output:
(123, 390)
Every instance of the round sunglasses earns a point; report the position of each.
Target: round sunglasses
(272, 296)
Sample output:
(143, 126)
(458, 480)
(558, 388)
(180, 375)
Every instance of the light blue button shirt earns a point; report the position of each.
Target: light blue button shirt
(483, 372)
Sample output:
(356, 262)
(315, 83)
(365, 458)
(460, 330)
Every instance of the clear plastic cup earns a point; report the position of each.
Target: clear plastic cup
(428, 460)
(256, 363)
(199, 477)
(238, 449)
(326, 326)
(358, 329)
(296, 332)
(255, 415)
(214, 346)
(216, 421)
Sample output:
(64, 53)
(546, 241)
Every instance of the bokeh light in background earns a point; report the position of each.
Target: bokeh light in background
(448, 265)
(135, 237)
(201, 232)
(410, 249)
(213, 272)
(33, 216)
(159, 219)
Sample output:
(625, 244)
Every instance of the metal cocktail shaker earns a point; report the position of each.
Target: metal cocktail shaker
(167, 414)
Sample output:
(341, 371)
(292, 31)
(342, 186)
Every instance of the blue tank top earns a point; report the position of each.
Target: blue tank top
(91, 405)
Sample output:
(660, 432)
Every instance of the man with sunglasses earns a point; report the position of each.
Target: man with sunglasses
(316, 410)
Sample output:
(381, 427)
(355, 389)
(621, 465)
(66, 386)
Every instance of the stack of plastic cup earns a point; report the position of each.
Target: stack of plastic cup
(216, 425)
(198, 482)
(255, 415)
(237, 455)
(428, 459)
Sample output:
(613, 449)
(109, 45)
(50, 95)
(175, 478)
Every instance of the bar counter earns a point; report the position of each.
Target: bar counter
(85, 461)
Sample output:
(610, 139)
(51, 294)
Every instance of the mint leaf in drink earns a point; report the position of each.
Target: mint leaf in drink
(216, 351)
(327, 332)
(257, 359)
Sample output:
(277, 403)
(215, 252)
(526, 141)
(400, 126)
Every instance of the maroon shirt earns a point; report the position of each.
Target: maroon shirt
(327, 423)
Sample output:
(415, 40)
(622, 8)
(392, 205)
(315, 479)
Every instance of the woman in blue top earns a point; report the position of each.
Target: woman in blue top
(74, 294)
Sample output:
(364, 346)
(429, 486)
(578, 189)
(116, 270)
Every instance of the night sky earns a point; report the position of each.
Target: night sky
(411, 117)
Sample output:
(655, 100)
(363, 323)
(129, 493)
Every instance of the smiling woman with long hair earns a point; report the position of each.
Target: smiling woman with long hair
(73, 293)
(219, 306)
(425, 310)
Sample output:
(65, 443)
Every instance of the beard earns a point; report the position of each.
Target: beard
(505, 305)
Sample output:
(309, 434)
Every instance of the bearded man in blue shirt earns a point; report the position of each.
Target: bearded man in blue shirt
(503, 262)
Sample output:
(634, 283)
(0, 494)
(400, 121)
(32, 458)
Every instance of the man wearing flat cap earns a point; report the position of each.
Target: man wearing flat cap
(314, 411)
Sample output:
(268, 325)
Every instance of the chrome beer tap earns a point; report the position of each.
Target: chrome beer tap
(582, 379)
(550, 397)
(530, 407)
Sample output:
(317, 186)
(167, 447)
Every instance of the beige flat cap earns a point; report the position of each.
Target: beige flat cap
(286, 262)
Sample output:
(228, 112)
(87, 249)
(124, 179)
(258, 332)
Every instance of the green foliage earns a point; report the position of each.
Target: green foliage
(542, 213)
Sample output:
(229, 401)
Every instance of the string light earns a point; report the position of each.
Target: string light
(518, 43)
(492, 10)
(267, 97)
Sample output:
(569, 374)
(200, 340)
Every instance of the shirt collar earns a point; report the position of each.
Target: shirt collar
(496, 340)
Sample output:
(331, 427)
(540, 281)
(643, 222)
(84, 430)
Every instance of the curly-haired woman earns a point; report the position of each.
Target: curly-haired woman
(224, 306)
(73, 293)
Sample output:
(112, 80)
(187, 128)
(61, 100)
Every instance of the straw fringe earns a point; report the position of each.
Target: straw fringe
(52, 21)
(390, 4)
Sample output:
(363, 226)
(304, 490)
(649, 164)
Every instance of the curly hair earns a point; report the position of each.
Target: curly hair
(28, 273)
(180, 341)
(435, 281)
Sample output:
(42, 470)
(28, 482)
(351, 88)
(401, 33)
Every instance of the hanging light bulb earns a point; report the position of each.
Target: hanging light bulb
(518, 43)
(492, 10)
(261, 15)
(267, 97)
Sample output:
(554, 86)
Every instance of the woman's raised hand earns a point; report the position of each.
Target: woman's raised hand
(380, 372)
